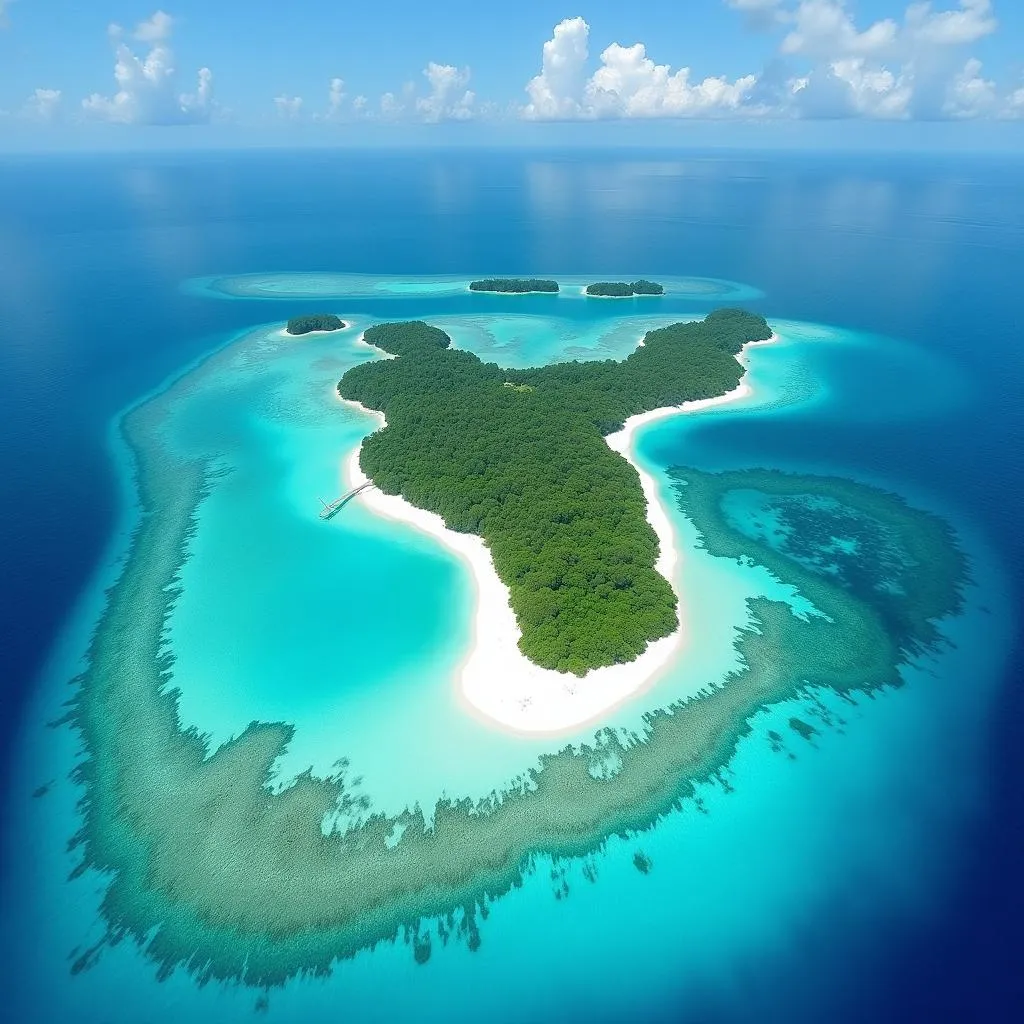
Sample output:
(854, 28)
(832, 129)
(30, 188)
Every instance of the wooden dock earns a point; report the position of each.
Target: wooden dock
(329, 509)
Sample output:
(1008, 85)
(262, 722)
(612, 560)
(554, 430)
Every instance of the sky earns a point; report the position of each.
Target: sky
(127, 74)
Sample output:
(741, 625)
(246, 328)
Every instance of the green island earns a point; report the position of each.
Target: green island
(518, 457)
(315, 322)
(212, 869)
(513, 285)
(625, 289)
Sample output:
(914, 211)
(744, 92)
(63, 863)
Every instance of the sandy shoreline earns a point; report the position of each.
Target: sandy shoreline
(284, 333)
(496, 681)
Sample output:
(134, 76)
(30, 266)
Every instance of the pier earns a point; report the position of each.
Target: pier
(328, 510)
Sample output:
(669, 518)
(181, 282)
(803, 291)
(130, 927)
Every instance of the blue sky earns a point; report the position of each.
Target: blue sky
(125, 73)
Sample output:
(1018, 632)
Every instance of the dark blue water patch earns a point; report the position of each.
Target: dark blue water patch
(927, 250)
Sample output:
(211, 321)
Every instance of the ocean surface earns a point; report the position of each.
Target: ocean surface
(868, 872)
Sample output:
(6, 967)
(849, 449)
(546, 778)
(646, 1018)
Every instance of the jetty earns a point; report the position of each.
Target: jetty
(329, 509)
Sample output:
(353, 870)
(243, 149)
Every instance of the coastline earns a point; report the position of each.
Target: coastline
(285, 333)
(496, 682)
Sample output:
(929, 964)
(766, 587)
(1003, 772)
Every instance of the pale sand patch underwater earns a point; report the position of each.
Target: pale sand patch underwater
(497, 681)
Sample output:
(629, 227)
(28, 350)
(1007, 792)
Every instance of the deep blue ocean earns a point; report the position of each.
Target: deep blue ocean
(927, 250)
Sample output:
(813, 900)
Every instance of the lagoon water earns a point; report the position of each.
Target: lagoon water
(831, 879)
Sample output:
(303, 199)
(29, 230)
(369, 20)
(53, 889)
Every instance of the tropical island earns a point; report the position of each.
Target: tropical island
(214, 867)
(513, 285)
(518, 457)
(315, 322)
(624, 289)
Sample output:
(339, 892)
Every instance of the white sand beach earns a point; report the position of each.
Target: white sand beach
(496, 681)
(284, 333)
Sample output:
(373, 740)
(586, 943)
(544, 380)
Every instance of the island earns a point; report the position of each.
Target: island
(624, 289)
(518, 457)
(513, 285)
(213, 867)
(315, 322)
(645, 287)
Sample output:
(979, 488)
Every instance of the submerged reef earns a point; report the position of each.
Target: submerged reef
(210, 869)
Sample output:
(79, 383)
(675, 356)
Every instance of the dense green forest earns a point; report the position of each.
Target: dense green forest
(624, 289)
(615, 289)
(525, 467)
(314, 322)
(513, 284)
(645, 287)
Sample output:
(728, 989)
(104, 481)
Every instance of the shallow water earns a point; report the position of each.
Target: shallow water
(859, 833)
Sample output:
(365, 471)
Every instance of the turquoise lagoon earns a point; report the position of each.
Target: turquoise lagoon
(353, 629)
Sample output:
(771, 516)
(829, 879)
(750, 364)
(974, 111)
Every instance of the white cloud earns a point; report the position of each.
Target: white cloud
(853, 88)
(390, 107)
(969, 95)
(4, 4)
(335, 97)
(557, 92)
(43, 105)
(825, 28)
(628, 84)
(973, 21)
(155, 29)
(888, 69)
(147, 87)
(288, 107)
(449, 99)
(1014, 106)
(398, 107)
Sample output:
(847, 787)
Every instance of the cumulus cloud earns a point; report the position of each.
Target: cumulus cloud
(969, 95)
(852, 88)
(628, 83)
(1014, 106)
(973, 21)
(288, 107)
(825, 28)
(335, 97)
(557, 92)
(449, 99)
(887, 68)
(43, 105)
(155, 29)
(147, 87)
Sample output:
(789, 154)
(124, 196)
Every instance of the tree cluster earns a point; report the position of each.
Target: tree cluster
(314, 322)
(513, 284)
(624, 289)
(645, 287)
(526, 468)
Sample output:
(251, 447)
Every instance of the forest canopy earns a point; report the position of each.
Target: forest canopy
(518, 457)
(513, 285)
(624, 289)
(314, 322)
